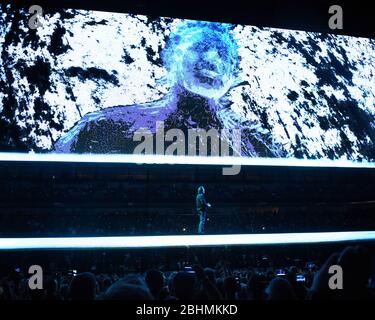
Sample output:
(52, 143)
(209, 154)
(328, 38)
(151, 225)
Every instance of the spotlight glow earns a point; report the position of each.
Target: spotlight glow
(182, 241)
(189, 160)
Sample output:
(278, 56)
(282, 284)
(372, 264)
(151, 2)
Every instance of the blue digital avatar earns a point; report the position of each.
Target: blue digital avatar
(203, 65)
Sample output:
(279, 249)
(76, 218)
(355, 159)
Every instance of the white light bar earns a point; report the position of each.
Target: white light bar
(169, 159)
(181, 241)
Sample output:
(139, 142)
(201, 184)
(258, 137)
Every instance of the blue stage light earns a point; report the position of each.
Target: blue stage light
(182, 240)
(188, 160)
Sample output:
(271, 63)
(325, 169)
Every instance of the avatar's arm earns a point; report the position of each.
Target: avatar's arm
(66, 142)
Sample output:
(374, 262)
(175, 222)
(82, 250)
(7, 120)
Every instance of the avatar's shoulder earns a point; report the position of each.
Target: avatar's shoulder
(137, 115)
(111, 121)
(116, 114)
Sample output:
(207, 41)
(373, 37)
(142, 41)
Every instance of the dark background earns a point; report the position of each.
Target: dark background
(68, 199)
(307, 15)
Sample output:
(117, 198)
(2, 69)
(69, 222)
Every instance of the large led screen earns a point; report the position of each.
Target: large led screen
(112, 87)
(98, 83)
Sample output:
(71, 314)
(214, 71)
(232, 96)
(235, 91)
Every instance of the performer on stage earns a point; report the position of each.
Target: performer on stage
(202, 206)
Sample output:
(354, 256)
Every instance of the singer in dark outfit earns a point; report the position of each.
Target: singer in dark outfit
(202, 206)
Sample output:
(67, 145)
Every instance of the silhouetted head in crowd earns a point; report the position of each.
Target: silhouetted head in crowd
(51, 287)
(256, 286)
(122, 290)
(64, 291)
(280, 289)
(220, 286)
(231, 287)
(134, 279)
(292, 273)
(210, 274)
(83, 287)
(105, 284)
(170, 280)
(155, 281)
(298, 287)
(34, 295)
(164, 294)
(184, 285)
(270, 275)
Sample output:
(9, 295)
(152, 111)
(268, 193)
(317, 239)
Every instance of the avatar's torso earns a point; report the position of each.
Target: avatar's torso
(111, 130)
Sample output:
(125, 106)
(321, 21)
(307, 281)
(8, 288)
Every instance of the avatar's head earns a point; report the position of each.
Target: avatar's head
(202, 57)
(201, 190)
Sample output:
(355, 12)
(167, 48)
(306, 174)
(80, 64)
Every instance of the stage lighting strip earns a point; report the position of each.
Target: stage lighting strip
(168, 159)
(182, 240)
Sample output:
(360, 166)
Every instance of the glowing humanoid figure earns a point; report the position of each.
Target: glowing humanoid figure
(202, 63)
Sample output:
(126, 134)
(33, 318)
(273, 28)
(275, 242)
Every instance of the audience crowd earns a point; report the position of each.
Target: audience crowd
(190, 281)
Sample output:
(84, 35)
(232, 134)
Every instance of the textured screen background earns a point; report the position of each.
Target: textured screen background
(314, 93)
